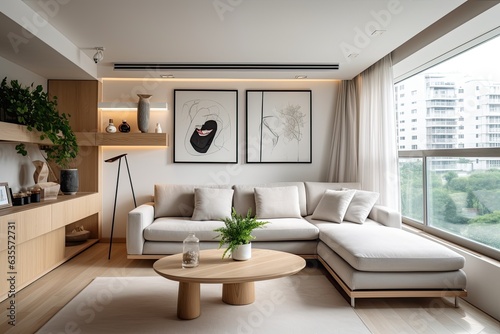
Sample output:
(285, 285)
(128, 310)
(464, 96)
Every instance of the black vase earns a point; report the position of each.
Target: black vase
(124, 127)
(69, 181)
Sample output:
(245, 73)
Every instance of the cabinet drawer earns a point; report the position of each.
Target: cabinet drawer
(28, 225)
(66, 212)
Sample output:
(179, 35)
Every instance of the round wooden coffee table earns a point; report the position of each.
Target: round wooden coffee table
(237, 277)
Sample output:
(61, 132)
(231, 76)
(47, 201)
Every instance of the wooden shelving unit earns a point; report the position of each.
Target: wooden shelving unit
(19, 133)
(132, 139)
(71, 251)
(41, 228)
(130, 105)
(37, 236)
(121, 139)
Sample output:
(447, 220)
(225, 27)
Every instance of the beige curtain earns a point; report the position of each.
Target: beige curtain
(378, 152)
(364, 146)
(344, 146)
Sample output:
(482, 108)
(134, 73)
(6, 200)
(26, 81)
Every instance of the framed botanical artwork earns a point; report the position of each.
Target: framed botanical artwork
(5, 199)
(279, 126)
(206, 126)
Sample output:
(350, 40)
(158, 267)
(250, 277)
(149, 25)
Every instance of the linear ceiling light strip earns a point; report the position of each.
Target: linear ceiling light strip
(175, 66)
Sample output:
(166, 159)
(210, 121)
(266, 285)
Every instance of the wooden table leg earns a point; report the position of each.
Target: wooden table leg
(238, 293)
(188, 301)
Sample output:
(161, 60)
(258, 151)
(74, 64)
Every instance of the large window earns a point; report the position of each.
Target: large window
(450, 161)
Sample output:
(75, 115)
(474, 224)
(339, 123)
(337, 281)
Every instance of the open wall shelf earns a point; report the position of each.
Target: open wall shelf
(19, 133)
(130, 105)
(121, 139)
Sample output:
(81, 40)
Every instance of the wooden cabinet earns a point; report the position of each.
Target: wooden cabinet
(32, 237)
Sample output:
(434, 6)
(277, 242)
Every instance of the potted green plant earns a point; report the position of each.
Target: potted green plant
(33, 107)
(237, 234)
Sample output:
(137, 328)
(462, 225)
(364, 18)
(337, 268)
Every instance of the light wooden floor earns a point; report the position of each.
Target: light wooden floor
(37, 303)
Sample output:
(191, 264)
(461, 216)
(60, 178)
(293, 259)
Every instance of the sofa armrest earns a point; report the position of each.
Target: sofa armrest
(138, 220)
(386, 216)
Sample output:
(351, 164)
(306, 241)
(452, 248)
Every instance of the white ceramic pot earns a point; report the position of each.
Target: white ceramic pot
(242, 252)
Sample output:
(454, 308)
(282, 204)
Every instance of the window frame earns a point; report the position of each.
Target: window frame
(492, 152)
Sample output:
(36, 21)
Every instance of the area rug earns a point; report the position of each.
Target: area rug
(296, 304)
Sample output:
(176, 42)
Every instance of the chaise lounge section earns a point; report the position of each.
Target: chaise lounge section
(359, 242)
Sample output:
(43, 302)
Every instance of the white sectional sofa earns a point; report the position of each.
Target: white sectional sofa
(360, 243)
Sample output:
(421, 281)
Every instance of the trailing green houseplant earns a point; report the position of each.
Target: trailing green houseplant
(33, 107)
(237, 230)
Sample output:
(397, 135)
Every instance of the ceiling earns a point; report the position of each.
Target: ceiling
(211, 32)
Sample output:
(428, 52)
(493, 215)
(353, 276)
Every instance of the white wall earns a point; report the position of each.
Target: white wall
(15, 72)
(14, 168)
(149, 166)
(483, 283)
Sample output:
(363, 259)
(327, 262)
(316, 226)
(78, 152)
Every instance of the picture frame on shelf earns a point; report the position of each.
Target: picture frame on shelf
(279, 126)
(5, 197)
(205, 126)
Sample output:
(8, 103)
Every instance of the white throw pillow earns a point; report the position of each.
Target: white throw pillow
(212, 203)
(333, 205)
(360, 206)
(277, 202)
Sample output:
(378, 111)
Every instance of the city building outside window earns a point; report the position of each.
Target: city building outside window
(450, 178)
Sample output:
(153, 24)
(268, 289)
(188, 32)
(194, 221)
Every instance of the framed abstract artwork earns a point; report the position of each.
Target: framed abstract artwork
(5, 199)
(206, 126)
(279, 126)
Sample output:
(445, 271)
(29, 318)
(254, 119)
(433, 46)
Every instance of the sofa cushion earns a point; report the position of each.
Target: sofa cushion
(333, 205)
(322, 224)
(377, 248)
(244, 197)
(286, 229)
(369, 280)
(177, 200)
(277, 202)
(315, 190)
(360, 206)
(212, 203)
(177, 229)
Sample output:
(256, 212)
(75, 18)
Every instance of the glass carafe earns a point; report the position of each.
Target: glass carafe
(191, 251)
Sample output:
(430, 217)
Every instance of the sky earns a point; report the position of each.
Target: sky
(482, 61)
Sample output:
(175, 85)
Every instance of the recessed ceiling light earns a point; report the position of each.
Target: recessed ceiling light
(168, 76)
(301, 77)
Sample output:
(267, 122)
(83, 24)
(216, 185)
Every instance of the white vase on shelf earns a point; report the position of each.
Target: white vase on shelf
(111, 128)
(158, 128)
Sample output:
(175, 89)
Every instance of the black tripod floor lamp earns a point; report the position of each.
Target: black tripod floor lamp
(111, 160)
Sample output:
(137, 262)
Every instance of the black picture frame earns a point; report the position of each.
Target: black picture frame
(5, 197)
(205, 126)
(279, 126)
